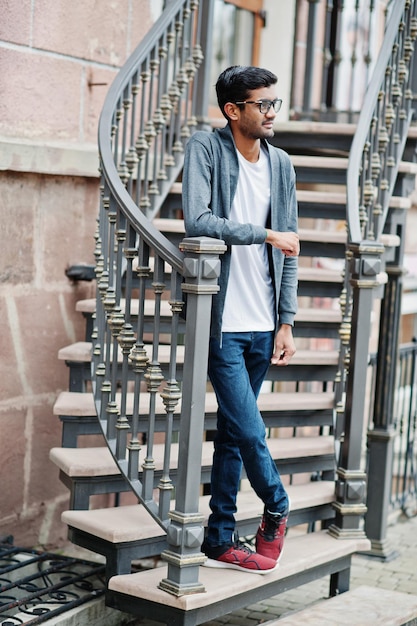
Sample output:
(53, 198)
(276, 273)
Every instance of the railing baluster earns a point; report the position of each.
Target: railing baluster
(170, 396)
(146, 119)
(153, 377)
(373, 165)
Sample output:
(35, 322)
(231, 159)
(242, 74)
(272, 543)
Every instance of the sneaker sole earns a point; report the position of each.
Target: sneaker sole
(223, 565)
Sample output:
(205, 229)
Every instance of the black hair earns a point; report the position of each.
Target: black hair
(235, 83)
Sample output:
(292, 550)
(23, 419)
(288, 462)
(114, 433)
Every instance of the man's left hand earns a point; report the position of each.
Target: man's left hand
(284, 347)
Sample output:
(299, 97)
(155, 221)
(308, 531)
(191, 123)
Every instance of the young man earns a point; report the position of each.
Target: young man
(239, 188)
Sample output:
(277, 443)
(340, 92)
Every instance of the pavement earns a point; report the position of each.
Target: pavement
(397, 574)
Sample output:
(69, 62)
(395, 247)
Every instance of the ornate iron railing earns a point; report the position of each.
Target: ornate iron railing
(374, 161)
(150, 408)
(340, 56)
(404, 470)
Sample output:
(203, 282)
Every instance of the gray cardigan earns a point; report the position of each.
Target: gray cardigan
(210, 178)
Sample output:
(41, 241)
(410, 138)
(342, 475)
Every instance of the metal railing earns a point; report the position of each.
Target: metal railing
(403, 469)
(340, 56)
(151, 408)
(375, 156)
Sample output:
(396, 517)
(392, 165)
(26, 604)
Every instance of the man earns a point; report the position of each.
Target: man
(239, 188)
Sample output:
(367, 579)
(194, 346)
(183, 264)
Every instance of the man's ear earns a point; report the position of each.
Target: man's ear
(232, 110)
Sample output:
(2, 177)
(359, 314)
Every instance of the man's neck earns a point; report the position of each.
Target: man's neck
(248, 148)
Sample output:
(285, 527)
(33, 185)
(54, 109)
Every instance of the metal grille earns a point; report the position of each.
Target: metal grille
(35, 586)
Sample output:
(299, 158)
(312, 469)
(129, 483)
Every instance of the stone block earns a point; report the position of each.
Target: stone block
(11, 383)
(17, 213)
(15, 22)
(43, 479)
(97, 31)
(27, 106)
(44, 329)
(68, 212)
(12, 465)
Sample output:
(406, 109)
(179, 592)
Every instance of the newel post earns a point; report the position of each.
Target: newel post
(350, 507)
(185, 530)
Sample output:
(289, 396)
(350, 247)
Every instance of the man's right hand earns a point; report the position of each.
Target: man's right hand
(289, 242)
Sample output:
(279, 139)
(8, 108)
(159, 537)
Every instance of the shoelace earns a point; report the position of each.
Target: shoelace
(240, 545)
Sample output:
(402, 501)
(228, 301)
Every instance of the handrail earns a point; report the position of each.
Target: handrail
(376, 97)
(146, 399)
(376, 152)
(127, 76)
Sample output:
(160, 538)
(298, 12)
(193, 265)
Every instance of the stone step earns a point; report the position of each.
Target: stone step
(277, 408)
(309, 322)
(314, 242)
(70, 403)
(333, 169)
(311, 202)
(88, 306)
(363, 606)
(126, 533)
(98, 461)
(77, 411)
(307, 365)
(91, 471)
(305, 557)
(325, 281)
(334, 239)
(80, 352)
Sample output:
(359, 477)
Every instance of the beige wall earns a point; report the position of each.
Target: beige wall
(57, 59)
(277, 48)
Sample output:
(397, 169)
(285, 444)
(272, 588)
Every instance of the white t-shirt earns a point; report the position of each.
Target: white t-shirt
(249, 302)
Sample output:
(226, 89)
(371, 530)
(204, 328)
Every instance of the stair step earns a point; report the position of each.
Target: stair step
(309, 322)
(77, 410)
(98, 461)
(80, 352)
(333, 169)
(314, 242)
(314, 555)
(315, 274)
(91, 471)
(82, 404)
(133, 522)
(363, 605)
(89, 306)
(127, 533)
(303, 366)
(311, 203)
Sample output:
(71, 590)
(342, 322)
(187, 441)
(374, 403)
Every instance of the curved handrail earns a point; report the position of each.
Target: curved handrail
(375, 157)
(373, 94)
(105, 134)
(148, 113)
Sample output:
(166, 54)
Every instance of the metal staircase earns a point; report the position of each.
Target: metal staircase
(140, 378)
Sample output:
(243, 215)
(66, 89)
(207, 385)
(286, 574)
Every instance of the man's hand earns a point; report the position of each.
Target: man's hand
(284, 347)
(289, 242)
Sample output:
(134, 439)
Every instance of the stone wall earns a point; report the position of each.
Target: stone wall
(57, 60)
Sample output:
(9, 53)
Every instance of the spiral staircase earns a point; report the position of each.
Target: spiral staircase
(139, 380)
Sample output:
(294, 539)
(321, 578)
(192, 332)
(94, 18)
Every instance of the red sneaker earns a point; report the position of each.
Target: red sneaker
(239, 556)
(269, 540)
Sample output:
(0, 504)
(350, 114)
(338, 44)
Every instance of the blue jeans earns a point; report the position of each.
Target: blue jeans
(237, 370)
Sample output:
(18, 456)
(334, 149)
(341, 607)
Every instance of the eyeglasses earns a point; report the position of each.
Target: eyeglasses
(265, 105)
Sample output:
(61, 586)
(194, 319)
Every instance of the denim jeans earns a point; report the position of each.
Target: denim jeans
(237, 369)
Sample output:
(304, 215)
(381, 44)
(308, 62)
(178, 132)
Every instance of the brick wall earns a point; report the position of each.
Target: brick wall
(57, 60)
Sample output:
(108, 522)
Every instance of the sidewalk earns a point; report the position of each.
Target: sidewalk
(398, 574)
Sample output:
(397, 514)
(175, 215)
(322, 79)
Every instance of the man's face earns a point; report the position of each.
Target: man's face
(254, 124)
